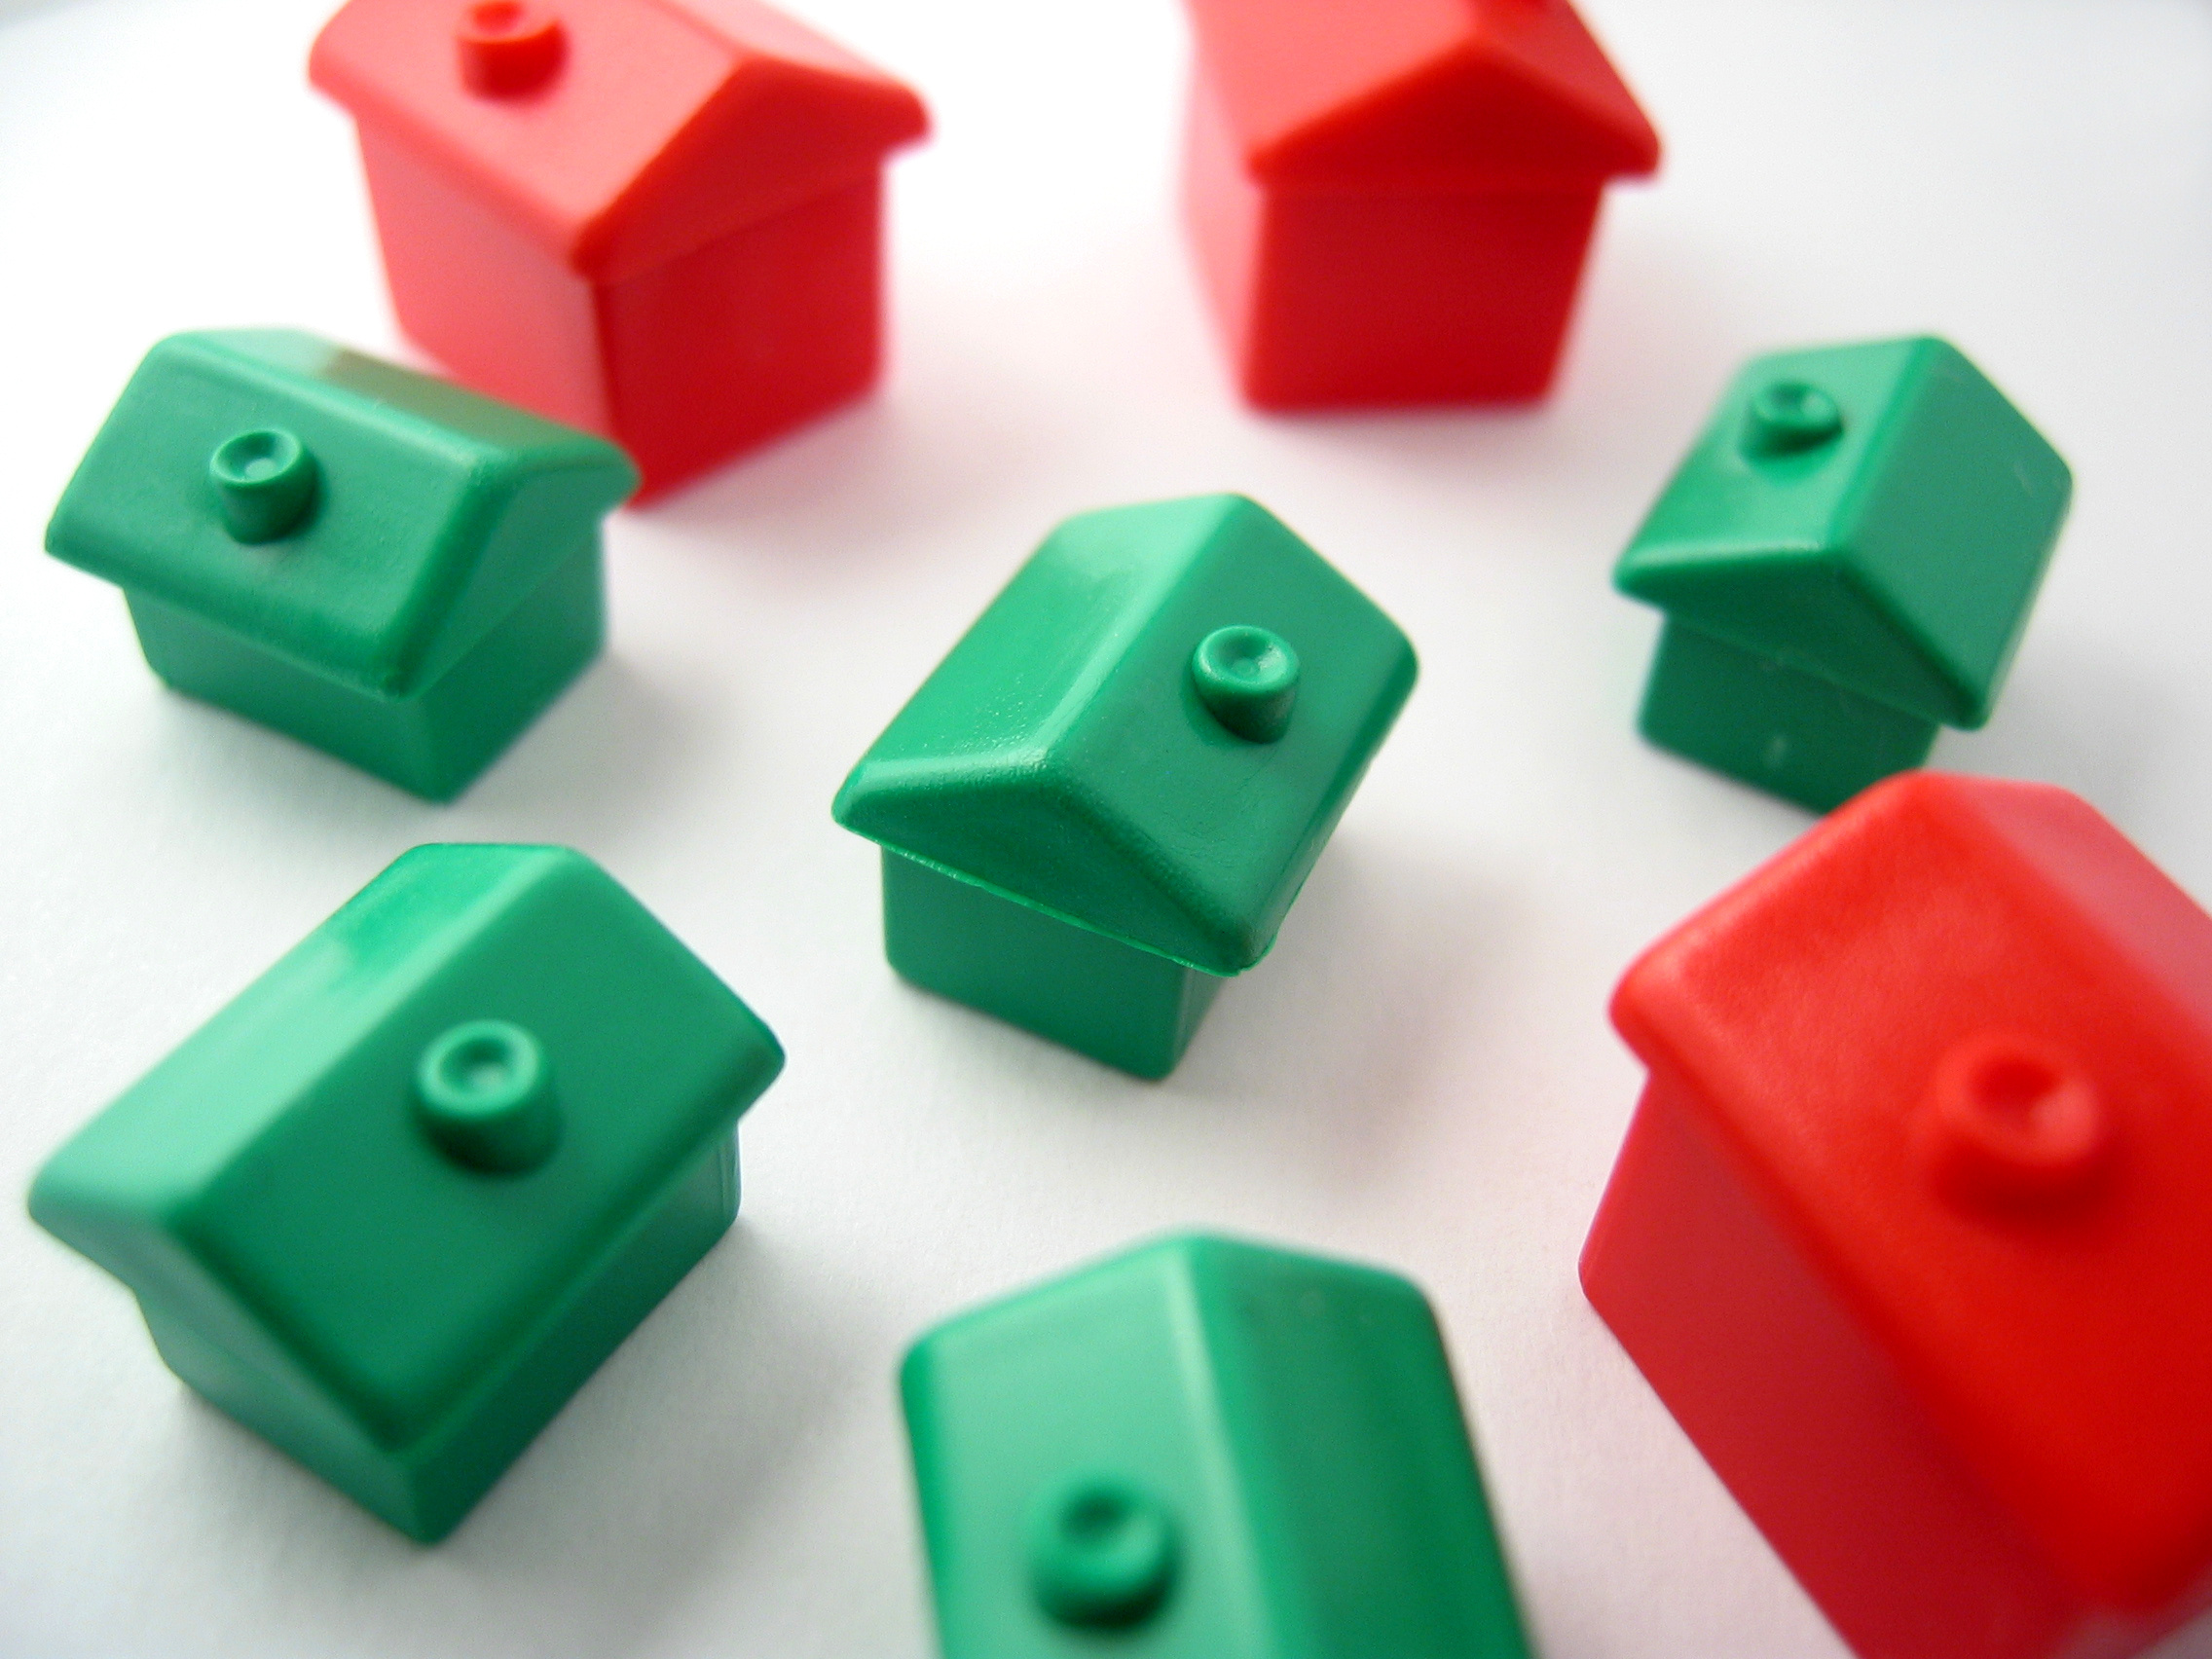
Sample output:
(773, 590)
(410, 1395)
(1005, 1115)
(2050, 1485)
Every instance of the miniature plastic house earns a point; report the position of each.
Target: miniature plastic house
(659, 220)
(1847, 559)
(1391, 200)
(391, 569)
(1105, 798)
(1910, 1229)
(395, 1205)
(1205, 1449)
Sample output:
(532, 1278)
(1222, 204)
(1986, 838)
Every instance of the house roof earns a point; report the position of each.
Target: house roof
(1293, 1415)
(2054, 1313)
(1061, 755)
(270, 1182)
(432, 513)
(1412, 92)
(657, 125)
(1876, 514)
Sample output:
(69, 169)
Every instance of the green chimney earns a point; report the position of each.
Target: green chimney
(398, 572)
(1847, 559)
(1105, 798)
(1205, 1450)
(393, 1206)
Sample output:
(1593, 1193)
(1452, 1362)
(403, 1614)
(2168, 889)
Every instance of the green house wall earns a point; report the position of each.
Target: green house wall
(434, 741)
(1128, 1008)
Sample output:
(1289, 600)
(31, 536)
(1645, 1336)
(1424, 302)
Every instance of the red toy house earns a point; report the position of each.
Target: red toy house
(657, 219)
(1912, 1230)
(1391, 199)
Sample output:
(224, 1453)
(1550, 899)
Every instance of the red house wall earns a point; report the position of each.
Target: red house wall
(1345, 297)
(1790, 1398)
(500, 313)
(739, 342)
(685, 365)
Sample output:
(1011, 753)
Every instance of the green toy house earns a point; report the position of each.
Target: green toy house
(393, 1206)
(1847, 561)
(1205, 1450)
(398, 572)
(1105, 798)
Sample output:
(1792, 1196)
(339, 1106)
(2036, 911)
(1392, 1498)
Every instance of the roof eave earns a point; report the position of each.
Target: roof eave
(1207, 945)
(1967, 702)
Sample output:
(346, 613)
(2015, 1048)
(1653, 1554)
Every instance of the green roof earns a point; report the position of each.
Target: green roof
(1286, 1423)
(431, 513)
(1876, 514)
(1063, 754)
(270, 1187)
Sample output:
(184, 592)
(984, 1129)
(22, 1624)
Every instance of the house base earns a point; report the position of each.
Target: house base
(1775, 728)
(437, 740)
(1125, 1007)
(426, 1488)
(1361, 298)
(1767, 1368)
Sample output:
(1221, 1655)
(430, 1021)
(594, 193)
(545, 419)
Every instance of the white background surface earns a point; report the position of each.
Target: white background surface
(1421, 1073)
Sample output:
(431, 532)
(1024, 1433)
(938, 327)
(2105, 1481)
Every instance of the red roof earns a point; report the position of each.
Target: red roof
(652, 126)
(2041, 1267)
(1419, 92)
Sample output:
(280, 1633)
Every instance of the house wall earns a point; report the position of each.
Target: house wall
(502, 315)
(1340, 298)
(746, 338)
(685, 365)
(1123, 1005)
(1414, 296)
(1804, 1418)
(435, 742)
(1223, 211)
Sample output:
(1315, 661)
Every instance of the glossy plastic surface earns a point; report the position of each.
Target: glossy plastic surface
(664, 228)
(1908, 1231)
(1126, 1006)
(393, 1205)
(1391, 199)
(1205, 1450)
(1062, 753)
(378, 563)
(1800, 735)
(1875, 517)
